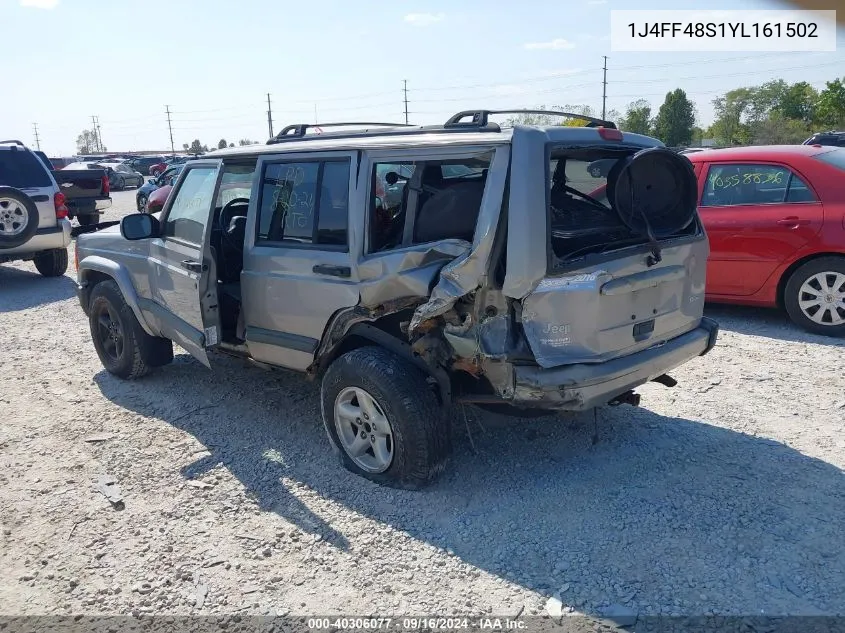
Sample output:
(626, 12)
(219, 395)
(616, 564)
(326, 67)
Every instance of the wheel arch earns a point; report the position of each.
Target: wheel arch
(94, 269)
(784, 278)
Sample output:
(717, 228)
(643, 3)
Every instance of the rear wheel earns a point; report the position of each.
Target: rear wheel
(18, 218)
(383, 418)
(120, 183)
(123, 346)
(87, 220)
(141, 201)
(52, 263)
(814, 296)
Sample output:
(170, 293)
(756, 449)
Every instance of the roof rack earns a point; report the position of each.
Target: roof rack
(298, 130)
(13, 141)
(480, 118)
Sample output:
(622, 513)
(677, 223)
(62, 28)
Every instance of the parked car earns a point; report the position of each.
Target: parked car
(122, 175)
(159, 168)
(163, 180)
(86, 190)
(142, 164)
(401, 315)
(33, 214)
(837, 139)
(61, 163)
(774, 216)
(157, 199)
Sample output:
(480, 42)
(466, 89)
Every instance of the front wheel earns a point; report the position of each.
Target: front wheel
(814, 296)
(123, 346)
(384, 419)
(52, 263)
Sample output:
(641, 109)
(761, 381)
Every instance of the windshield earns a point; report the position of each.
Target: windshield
(835, 158)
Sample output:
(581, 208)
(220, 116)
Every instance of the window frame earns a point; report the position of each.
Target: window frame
(761, 163)
(177, 187)
(321, 159)
(411, 155)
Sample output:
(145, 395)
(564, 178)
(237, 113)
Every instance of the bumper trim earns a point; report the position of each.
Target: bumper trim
(584, 386)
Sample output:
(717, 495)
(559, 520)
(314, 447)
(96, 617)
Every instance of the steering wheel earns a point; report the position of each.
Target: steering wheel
(226, 215)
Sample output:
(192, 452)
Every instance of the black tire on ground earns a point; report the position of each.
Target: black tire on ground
(421, 436)
(18, 218)
(52, 263)
(120, 183)
(832, 303)
(123, 346)
(87, 220)
(141, 202)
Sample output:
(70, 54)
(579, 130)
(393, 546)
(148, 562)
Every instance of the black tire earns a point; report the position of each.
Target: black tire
(138, 352)
(52, 263)
(87, 220)
(141, 202)
(18, 218)
(120, 183)
(833, 303)
(421, 437)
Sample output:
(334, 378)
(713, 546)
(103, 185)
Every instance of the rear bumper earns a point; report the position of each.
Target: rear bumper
(44, 240)
(584, 386)
(88, 206)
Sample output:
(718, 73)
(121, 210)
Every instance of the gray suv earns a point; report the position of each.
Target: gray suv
(411, 268)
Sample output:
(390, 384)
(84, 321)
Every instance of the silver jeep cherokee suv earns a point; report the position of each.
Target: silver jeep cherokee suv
(33, 215)
(410, 268)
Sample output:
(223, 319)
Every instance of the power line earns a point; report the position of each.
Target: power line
(96, 135)
(170, 127)
(37, 140)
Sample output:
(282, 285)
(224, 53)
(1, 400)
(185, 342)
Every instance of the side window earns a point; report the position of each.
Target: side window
(440, 197)
(731, 185)
(305, 203)
(191, 207)
(236, 182)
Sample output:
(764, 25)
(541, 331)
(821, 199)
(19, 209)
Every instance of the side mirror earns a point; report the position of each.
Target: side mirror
(139, 226)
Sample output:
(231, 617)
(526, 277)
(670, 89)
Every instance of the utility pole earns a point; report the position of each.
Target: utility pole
(37, 140)
(604, 90)
(269, 116)
(170, 127)
(100, 135)
(96, 136)
(405, 90)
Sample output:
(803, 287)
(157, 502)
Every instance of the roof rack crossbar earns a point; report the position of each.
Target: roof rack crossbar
(480, 117)
(299, 129)
(13, 141)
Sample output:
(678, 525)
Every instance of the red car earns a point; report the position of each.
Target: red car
(157, 198)
(775, 217)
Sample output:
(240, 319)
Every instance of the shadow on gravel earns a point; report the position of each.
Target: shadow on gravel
(662, 511)
(22, 289)
(766, 322)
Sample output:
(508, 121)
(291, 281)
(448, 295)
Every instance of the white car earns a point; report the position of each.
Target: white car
(33, 214)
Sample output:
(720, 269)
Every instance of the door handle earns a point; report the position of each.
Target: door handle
(194, 267)
(793, 221)
(334, 271)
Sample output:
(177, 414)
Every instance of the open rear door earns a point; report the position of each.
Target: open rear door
(183, 273)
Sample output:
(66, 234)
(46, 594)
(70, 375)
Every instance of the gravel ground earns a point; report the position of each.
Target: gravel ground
(724, 495)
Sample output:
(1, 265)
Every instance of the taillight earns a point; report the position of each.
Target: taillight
(59, 204)
(76, 258)
(106, 186)
(610, 134)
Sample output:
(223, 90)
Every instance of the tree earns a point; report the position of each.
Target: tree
(777, 129)
(86, 143)
(231, 144)
(637, 117)
(185, 146)
(222, 143)
(675, 119)
(196, 147)
(729, 127)
(830, 107)
(245, 141)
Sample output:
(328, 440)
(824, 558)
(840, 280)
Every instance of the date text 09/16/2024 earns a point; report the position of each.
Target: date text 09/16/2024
(724, 29)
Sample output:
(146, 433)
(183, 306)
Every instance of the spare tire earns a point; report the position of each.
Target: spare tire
(18, 218)
(654, 189)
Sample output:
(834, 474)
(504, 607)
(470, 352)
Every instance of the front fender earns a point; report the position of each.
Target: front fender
(117, 272)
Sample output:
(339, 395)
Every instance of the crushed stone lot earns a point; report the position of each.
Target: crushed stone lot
(723, 495)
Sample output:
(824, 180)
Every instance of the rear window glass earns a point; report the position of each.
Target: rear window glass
(21, 169)
(835, 158)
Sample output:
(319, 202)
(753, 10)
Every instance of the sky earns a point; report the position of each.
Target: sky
(213, 63)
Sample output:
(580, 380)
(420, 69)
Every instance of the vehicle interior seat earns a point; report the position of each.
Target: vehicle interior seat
(450, 213)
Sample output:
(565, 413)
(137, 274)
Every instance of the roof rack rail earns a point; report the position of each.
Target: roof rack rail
(13, 141)
(298, 130)
(480, 117)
